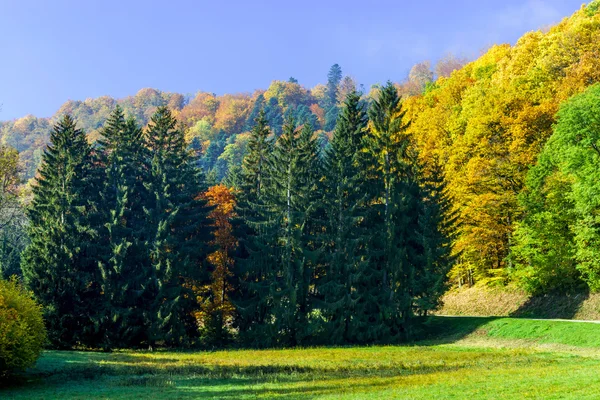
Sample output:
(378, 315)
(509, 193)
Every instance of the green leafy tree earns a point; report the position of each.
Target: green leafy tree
(568, 195)
(543, 251)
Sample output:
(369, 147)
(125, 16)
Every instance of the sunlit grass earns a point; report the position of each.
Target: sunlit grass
(473, 367)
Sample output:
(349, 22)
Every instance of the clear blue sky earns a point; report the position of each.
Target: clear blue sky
(55, 50)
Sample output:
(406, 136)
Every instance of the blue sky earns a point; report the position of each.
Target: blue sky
(57, 50)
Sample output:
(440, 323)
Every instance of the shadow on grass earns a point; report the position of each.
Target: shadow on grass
(124, 375)
(444, 330)
(563, 306)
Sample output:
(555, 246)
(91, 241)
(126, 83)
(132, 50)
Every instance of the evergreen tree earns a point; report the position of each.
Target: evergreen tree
(254, 168)
(60, 263)
(345, 236)
(259, 105)
(386, 304)
(126, 270)
(179, 229)
(255, 259)
(285, 211)
(436, 231)
(334, 77)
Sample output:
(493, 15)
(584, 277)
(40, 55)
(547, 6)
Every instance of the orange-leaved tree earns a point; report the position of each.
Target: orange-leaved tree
(216, 310)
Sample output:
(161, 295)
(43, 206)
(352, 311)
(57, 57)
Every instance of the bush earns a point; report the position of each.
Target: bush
(22, 331)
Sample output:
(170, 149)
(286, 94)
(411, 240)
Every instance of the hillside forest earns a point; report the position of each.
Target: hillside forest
(300, 216)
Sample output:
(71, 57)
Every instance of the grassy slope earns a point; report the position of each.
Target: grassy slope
(482, 301)
(467, 357)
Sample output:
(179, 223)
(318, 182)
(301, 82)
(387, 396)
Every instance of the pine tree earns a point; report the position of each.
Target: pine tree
(345, 236)
(126, 270)
(288, 209)
(60, 263)
(179, 229)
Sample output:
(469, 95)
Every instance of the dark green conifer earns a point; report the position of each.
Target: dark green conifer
(60, 263)
(385, 307)
(126, 270)
(345, 233)
(179, 230)
(437, 223)
(255, 264)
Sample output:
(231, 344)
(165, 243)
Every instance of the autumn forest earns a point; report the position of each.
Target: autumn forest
(297, 216)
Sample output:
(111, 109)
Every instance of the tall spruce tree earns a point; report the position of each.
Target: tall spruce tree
(126, 270)
(179, 230)
(334, 77)
(60, 263)
(311, 212)
(386, 307)
(346, 237)
(255, 231)
(291, 185)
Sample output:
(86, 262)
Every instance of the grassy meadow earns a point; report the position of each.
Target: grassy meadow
(477, 358)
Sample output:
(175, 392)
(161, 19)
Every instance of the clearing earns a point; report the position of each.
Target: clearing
(476, 358)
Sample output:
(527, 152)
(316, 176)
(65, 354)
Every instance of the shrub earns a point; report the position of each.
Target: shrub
(22, 331)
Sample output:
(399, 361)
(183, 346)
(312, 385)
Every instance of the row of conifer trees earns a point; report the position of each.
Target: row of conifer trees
(337, 245)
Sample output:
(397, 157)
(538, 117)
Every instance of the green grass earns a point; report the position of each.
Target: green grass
(576, 334)
(464, 358)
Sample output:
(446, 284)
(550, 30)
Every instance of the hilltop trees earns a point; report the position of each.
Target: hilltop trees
(334, 77)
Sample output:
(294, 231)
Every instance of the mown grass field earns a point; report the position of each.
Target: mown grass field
(463, 358)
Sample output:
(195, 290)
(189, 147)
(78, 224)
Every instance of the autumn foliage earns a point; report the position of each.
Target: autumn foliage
(216, 310)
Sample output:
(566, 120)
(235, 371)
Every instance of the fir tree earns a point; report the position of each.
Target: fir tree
(126, 270)
(386, 306)
(254, 231)
(179, 229)
(254, 168)
(334, 77)
(291, 184)
(60, 263)
(345, 235)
